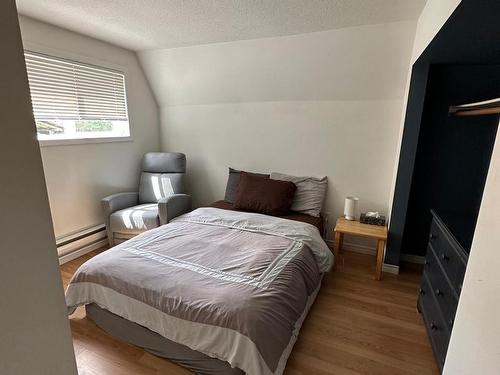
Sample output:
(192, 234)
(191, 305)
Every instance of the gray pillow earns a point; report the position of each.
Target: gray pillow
(233, 181)
(310, 193)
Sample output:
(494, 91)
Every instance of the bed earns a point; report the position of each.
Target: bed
(219, 290)
(215, 290)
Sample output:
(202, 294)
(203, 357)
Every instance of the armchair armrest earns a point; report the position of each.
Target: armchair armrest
(173, 206)
(118, 202)
(115, 203)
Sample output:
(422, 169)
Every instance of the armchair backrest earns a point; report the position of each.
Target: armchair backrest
(162, 175)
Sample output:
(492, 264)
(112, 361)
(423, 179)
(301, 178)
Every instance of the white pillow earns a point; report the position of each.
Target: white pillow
(310, 193)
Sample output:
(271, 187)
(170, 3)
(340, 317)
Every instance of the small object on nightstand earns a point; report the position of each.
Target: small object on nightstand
(351, 208)
(373, 218)
(344, 226)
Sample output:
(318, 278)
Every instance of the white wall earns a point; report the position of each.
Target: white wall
(326, 103)
(34, 329)
(78, 176)
(475, 341)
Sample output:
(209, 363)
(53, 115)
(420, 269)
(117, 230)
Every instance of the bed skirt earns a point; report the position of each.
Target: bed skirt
(153, 343)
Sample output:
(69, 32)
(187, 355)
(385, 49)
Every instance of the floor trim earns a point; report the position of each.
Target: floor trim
(368, 250)
(354, 247)
(410, 258)
(390, 268)
(83, 250)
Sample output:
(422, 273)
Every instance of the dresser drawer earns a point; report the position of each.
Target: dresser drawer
(436, 328)
(448, 252)
(445, 295)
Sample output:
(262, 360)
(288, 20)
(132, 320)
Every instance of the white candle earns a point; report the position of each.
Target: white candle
(351, 208)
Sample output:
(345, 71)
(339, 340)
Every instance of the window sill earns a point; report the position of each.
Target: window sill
(82, 141)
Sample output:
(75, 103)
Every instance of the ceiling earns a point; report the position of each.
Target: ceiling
(154, 24)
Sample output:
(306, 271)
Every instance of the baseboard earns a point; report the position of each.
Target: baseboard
(368, 250)
(76, 244)
(354, 247)
(409, 258)
(390, 268)
(82, 251)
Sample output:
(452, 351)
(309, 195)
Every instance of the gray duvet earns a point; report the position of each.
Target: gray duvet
(235, 286)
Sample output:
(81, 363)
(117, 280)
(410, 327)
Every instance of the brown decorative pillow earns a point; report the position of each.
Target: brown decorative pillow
(233, 181)
(259, 194)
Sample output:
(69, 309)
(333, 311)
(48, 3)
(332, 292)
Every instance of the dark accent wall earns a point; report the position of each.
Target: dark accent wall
(469, 37)
(416, 96)
(453, 154)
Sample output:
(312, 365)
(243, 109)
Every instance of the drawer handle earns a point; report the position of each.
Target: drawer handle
(421, 291)
(432, 236)
(445, 257)
(439, 293)
(434, 326)
(450, 322)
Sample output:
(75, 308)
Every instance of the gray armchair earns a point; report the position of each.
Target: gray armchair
(160, 198)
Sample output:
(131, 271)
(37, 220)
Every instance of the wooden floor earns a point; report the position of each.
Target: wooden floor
(356, 326)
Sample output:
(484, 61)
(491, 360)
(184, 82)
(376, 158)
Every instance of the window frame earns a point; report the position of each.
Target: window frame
(83, 59)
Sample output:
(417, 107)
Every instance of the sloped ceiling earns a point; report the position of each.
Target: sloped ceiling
(157, 24)
(361, 63)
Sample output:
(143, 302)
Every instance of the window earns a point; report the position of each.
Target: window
(72, 100)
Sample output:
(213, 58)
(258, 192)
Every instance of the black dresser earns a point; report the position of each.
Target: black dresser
(444, 271)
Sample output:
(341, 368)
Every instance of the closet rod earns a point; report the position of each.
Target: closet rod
(488, 107)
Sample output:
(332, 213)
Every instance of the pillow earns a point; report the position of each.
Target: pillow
(260, 194)
(310, 193)
(233, 181)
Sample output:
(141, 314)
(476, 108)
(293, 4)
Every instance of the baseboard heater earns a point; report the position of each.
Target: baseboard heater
(76, 244)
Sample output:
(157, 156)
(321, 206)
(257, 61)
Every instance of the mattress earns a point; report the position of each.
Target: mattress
(316, 221)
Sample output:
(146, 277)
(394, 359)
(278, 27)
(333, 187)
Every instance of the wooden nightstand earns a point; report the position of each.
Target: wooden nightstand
(355, 228)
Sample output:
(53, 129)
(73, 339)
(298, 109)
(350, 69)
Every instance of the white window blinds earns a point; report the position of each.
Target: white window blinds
(67, 90)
